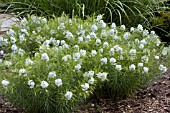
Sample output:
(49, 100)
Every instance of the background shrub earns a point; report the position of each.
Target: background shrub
(161, 25)
(125, 12)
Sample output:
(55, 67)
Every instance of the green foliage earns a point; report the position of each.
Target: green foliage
(128, 12)
(87, 55)
(161, 25)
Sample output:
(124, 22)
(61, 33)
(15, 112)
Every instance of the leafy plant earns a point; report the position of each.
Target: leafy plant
(52, 66)
(118, 11)
(161, 25)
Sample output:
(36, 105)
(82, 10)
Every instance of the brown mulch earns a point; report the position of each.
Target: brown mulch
(153, 99)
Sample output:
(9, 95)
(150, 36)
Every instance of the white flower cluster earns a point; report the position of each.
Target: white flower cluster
(94, 46)
(3, 41)
(5, 83)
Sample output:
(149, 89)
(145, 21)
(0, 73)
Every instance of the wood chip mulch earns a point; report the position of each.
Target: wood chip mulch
(153, 99)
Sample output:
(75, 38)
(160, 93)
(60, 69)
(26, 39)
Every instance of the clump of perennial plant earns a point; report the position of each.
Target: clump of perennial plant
(51, 66)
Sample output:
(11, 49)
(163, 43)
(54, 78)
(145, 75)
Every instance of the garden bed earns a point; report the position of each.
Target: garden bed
(154, 98)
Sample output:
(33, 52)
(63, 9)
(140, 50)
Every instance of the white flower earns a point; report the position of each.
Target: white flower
(103, 34)
(112, 61)
(0, 60)
(145, 32)
(98, 42)
(101, 50)
(102, 24)
(22, 38)
(162, 68)
(132, 51)
(118, 67)
(66, 46)
(83, 52)
(85, 86)
(38, 29)
(145, 59)
(21, 51)
(51, 74)
(4, 83)
(132, 29)
(113, 26)
(111, 32)
(140, 27)
(77, 67)
(69, 35)
(1, 52)
(93, 35)
(46, 43)
(12, 39)
(93, 53)
(111, 51)
(58, 82)
(158, 42)
(153, 32)
(10, 32)
(45, 57)
(141, 46)
(80, 39)
(44, 84)
(64, 58)
(105, 44)
(90, 74)
(22, 71)
(25, 31)
(1, 39)
(87, 38)
(157, 57)
(91, 80)
(99, 17)
(76, 47)
(68, 95)
(94, 28)
(165, 51)
(136, 41)
(143, 41)
(140, 64)
(119, 49)
(62, 42)
(102, 76)
(8, 63)
(126, 35)
(33, 32)
(61, 26)
(122, 27)
(145, 69)
(132, 67)
(76, 56)
(44, 20)
(28, 62)
(116, 37)
(31, 83)
(104, 60)
(14, 47)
